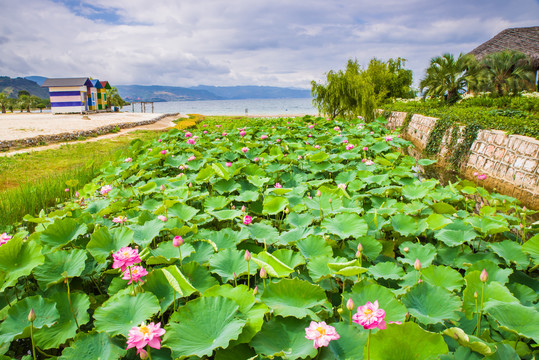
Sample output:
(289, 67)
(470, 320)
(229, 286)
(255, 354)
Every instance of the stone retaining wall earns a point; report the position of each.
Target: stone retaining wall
(75, 135)
(510, 161)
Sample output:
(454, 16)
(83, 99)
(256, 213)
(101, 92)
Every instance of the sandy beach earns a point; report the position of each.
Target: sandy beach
(28, 125)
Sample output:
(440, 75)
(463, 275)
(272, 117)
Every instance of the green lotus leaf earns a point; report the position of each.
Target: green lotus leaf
(156, 283)
(258, 181)
(224, 238)
(59, 265)
(346, 225)
(495, 273)
(488, 225)
(199, 276)
(400, 342)
(515, 317)
(443, 208)
(263, 232)
(254, 312)
(274, 205)
(405, 225)
(313, 245)
(151, 205)
(121, 312)
(66, 327)
(293, 297)
(494, 292)
(386, 270)
(318, 267)
(202, 326)
(273, 266)
(417, 191)
(289, 257)
(299, 220)
(144, 234)
(431, 304)
(221, 171)
(178, 281)
(511, 252)
(18, 258)
(351, 342)
(104, 241)
(426, 162)
(442, 276)
(318, 157)
(285, 338)
(437, 221)
(16, 324)
(456, 234)
(216, 202)
(345, 177)
(425, 253)
(204, 249)
(94, 346)
(226, 186)
(61, 232)
(247, 196)
(531, 247)
(166, 253)
(205, 174)
(294, 235)
(147, 188)
(229, 261)
(474, 343)
(182, 211)
(387, 301)
(371, 247)
(226, 214)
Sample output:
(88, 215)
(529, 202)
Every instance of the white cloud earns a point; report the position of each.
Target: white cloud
(239, 42)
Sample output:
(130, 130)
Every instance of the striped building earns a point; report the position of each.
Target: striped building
(92, 94)
(102, 102)
(68, 95)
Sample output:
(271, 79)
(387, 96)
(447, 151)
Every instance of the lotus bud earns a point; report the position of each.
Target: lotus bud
(162, 187)
(247, 255)
(255, 290)
(330, 201)
(483, 276)
(190, 185)
(66, 190)
(419, 281)
(417, 264)
(263, 273)
(358, 254)
(339, 310)
(350, 304)
(287, 210)
(359, 247)
(143, 354)
(406, 249)
(234, 275)
(524, 208)
(318, 193)
(177, 241)
(233, 207)
(31, 315)
(475, 295)
(243, 208)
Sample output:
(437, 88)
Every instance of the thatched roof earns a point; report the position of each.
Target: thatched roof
(525, 40)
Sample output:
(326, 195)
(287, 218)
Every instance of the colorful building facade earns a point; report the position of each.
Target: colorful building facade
(68, 95)
(102, 102)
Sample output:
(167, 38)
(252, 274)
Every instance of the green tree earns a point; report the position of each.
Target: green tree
(4, 101)
(23, 92)
(447, 77)
(24, 103)
(114, 98)
(507, 72)
(390, 79)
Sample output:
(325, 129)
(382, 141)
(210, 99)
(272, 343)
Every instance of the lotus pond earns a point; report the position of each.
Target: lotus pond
(249, 239)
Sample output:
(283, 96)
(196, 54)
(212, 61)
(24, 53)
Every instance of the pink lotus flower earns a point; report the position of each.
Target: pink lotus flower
(182, 167)
(191, 141)
(317, 146)
(256, 159)
(365, 148)
(163, 218)
(188, 134)
(247, 219)
(4, 238)
(263, 137)
(345, 141)
(204, 125)
(177, 241)
(349, 147)
(149, 150)
(159, 140)
(245, 149)
(310, 135)
(475, 173)
(205, 132)
(321, 333)
(311, 126)
(336, 128)
(140, 336)
(163, 152)
(242, 133)
(228, 164)
(370, 317)
(369, 162)
(278, 140)
(341, 186)
(134, 273)
(299, 157)
(66, 190)
(388, 138)
(119, 220)
(482, 176)
(278, 185)
(224, 134)
(372, 132)
(105, 190)
(128, 160)
(125, 257)
(191, 158)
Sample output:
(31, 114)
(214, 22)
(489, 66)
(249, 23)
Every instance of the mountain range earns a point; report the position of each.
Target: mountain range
(160, 93)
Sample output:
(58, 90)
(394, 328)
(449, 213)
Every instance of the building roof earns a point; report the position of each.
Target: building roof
(57, 82)
(97, 84)
(105, 84)
(525, 40)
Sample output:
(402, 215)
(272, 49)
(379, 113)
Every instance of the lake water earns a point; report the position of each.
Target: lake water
(281, 107)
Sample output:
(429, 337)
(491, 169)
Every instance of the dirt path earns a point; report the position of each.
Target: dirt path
(163, 124)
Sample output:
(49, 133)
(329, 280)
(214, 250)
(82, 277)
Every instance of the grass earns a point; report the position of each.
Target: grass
(33, 181)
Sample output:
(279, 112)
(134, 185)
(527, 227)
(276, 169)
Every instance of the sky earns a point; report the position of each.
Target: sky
(240, 42)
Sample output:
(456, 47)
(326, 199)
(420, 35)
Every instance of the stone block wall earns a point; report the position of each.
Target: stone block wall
(396, 119)
(511, 162)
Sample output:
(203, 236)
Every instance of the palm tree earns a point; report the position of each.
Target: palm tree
(3, 101)
(507, 71)
(447, 77)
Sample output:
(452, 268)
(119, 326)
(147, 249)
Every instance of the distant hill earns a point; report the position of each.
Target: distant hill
(254, 92)
(163, 93)
(37, 79)
(13, 85)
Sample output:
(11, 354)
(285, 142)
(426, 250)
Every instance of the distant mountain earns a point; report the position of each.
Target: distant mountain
(13, 85)
(254, 92)
(37, 79)
(163, 93)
